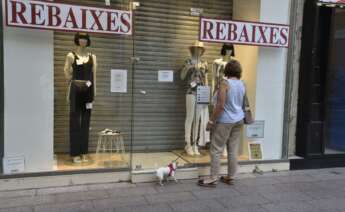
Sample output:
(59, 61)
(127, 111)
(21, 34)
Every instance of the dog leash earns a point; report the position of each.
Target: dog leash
(176, 159)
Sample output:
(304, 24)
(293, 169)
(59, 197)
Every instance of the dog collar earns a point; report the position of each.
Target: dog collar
(171, 169)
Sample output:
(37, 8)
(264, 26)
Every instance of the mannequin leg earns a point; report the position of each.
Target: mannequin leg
(190, 107)
(197, 125)
(85, 127)
(204, 134)
(75, 128)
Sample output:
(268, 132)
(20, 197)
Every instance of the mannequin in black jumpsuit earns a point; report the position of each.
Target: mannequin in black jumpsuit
(80, 71)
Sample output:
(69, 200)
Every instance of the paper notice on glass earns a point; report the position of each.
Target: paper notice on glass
(118, 82)
(165, 76)
(13, 165)
(256, 130)
(203, 95)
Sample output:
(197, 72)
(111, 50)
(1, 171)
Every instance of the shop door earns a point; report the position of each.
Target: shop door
(335, 97)
(164, 31)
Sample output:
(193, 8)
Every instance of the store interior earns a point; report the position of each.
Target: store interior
(138, 119)
(154, 133)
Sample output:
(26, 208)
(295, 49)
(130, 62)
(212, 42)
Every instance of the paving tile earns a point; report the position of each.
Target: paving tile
(256, 208)
(329, 204)
(116, 202)
(325, 194)
(197, 205)
(243, 201)
(299, 206)
(150, 208)
(82, 206)
(191, 186)
(169, 197)
(57, 190)
(129, 192)
(296, 178)
(216, 193)
(26, 201)
(18, 209)
(259, 181)
(17, 193)
(332, 184)
(286, 196)
(109, 186)
(299, 186)
(79, 196)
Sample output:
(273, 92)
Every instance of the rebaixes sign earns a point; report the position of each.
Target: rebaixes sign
(245, 33)
(66, 17)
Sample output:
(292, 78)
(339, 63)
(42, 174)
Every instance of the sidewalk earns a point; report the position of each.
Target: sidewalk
(294, 191)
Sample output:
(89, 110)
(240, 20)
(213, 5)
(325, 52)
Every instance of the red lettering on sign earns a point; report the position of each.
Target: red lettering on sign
(54, 15)
(232, 32)
(284, 33)
(220, 31)
(208, 26)
(36, 12)
(273, 35)
(262, 30)
(112, 18)
(18, 14)
(83, 18)
(125, 17)
(244, 34)
(96, 19)
(71, 19)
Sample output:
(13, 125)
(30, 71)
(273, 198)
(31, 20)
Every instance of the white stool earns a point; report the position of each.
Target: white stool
(110, 143)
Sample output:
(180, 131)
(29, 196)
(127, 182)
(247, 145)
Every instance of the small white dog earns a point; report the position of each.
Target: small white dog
(164, 173)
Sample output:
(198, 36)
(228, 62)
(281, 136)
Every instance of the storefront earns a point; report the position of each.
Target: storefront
(145, 112)
(321, 99)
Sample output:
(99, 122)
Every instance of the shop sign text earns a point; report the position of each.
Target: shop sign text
(67, 17)
(246, 33)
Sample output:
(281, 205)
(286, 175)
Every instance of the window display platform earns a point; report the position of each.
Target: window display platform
(140, 161)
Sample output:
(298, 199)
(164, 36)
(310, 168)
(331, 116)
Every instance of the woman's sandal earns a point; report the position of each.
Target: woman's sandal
(227, 180)
(210, 184)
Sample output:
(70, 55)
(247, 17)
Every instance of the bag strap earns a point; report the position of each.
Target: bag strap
(245, 105)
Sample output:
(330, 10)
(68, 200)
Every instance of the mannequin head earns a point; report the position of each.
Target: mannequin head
(197, 49)
(82, 39)
(228, 50)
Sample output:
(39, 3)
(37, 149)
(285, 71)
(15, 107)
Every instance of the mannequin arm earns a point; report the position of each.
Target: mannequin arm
(214, 68)
(206, 74)
(94, 73)
(68, 66)
(184, 70)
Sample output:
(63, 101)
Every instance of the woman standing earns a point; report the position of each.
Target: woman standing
(226, 123)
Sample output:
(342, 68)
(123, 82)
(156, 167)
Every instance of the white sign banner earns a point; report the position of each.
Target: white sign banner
(14, 165)
(67, 17)
(118, 82)
(245, 33)
(256, 130)
(203, 95)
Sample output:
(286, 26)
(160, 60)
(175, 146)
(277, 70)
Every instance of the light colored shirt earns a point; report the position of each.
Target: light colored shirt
(233, 108)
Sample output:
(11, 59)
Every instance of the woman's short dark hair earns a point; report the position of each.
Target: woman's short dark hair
(233, 69)
(81, 35)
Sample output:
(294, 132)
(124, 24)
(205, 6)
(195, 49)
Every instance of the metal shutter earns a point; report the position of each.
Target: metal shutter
(163, 32)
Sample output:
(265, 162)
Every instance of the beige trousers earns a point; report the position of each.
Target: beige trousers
(225, 135)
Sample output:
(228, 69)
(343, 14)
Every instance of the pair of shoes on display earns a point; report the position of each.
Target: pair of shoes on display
(79, 160)
(192, 150)
(109, 131)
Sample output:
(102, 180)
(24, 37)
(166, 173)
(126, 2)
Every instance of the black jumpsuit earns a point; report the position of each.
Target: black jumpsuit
(79, 114)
